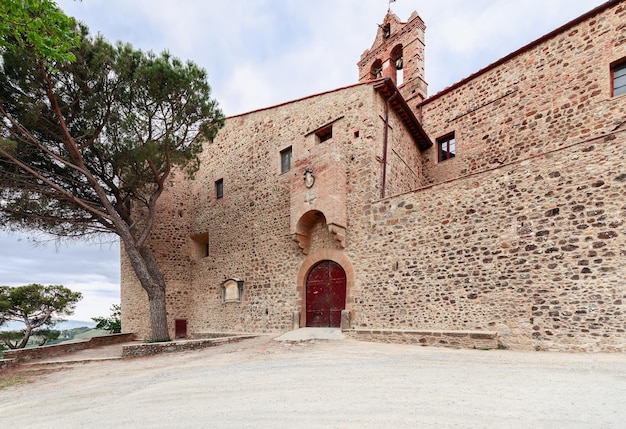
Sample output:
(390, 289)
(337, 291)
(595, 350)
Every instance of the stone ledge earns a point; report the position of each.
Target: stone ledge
(61, 349)
(439, 338)
(149, 349)
(210, 335)
(7, 363)
(473, 334)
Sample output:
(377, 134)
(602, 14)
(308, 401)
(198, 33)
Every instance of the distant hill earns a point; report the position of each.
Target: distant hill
(91, 333)
(62, 326)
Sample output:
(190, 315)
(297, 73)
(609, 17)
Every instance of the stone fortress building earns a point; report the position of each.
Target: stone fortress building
(492, 213)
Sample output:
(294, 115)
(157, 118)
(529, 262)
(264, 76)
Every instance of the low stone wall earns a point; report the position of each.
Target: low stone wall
(7, 363)
(149, 349)
(454, 339)
(210, 335)
(44, 352)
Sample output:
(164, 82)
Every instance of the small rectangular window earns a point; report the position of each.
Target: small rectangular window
(219, 188)
(447, 147)
(619, 79)
(324, 134)
(285, 160)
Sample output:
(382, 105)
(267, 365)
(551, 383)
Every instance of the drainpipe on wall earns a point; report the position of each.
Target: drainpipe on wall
(385, 139)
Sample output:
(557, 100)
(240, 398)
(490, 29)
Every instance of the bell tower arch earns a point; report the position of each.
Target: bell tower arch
(398, 53)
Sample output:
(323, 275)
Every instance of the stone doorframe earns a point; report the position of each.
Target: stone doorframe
(323, 255)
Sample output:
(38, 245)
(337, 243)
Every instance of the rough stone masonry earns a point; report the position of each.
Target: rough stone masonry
(494, 209)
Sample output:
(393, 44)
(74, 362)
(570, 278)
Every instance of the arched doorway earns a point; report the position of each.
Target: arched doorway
(325, 295)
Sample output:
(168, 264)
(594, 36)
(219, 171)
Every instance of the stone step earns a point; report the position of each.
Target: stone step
(440, 338)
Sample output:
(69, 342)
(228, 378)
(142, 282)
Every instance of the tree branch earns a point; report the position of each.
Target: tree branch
(53, 185)
(68, 142)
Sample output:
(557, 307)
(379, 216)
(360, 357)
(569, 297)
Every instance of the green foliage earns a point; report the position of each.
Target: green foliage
(87, 147)
(37, 337)
(75, 335)
(35, 305)
(75, 158)
(64, 335)
(40, 26)
(113, 323)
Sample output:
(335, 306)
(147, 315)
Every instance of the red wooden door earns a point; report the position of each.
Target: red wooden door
(180, 328)
(325, 295)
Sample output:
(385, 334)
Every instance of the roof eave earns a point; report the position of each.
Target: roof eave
(387, 88)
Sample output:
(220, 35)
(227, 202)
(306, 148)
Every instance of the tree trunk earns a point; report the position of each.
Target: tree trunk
(24, 341)
(9, 344)
(153, 282)
(158, 315)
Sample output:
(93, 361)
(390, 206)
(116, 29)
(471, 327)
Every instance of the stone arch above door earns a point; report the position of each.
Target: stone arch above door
(319, 186)
(313, 259)
(305, 228)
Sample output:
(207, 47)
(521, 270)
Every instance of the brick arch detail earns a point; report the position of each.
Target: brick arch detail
(322, 255)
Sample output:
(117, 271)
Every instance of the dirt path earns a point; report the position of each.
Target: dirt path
(327, 384)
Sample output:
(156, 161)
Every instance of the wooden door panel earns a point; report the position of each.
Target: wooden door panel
(180, 328)
(325, 295)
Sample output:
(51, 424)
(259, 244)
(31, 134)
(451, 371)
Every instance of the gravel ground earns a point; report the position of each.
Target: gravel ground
(261, 383)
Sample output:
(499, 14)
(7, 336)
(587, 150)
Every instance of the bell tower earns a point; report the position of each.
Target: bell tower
(398, 53)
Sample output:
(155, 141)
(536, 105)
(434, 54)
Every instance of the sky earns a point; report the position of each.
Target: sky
(259, 53)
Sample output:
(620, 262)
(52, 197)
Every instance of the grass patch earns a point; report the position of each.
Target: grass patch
(15, 377)
(8, 380)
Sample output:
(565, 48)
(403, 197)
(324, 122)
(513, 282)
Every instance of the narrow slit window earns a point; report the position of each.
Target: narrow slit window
(619, 79)
(447, 147)
(285, 159)
(219, 188)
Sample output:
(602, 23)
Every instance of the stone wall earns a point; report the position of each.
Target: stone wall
(533, 250)
(171, 241)
(7, 363)
(522, 233)
(551, 94)
(456, 339)
(150, 349)
(45, 352)
(403, 157)
(249, 229)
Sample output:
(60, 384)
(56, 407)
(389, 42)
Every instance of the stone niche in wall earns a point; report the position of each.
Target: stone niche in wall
(318, 185)
(232, 290)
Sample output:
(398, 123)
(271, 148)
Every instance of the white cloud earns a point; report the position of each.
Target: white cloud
(301, 47)
(248, 89)
(89, 268)
(98, 296)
